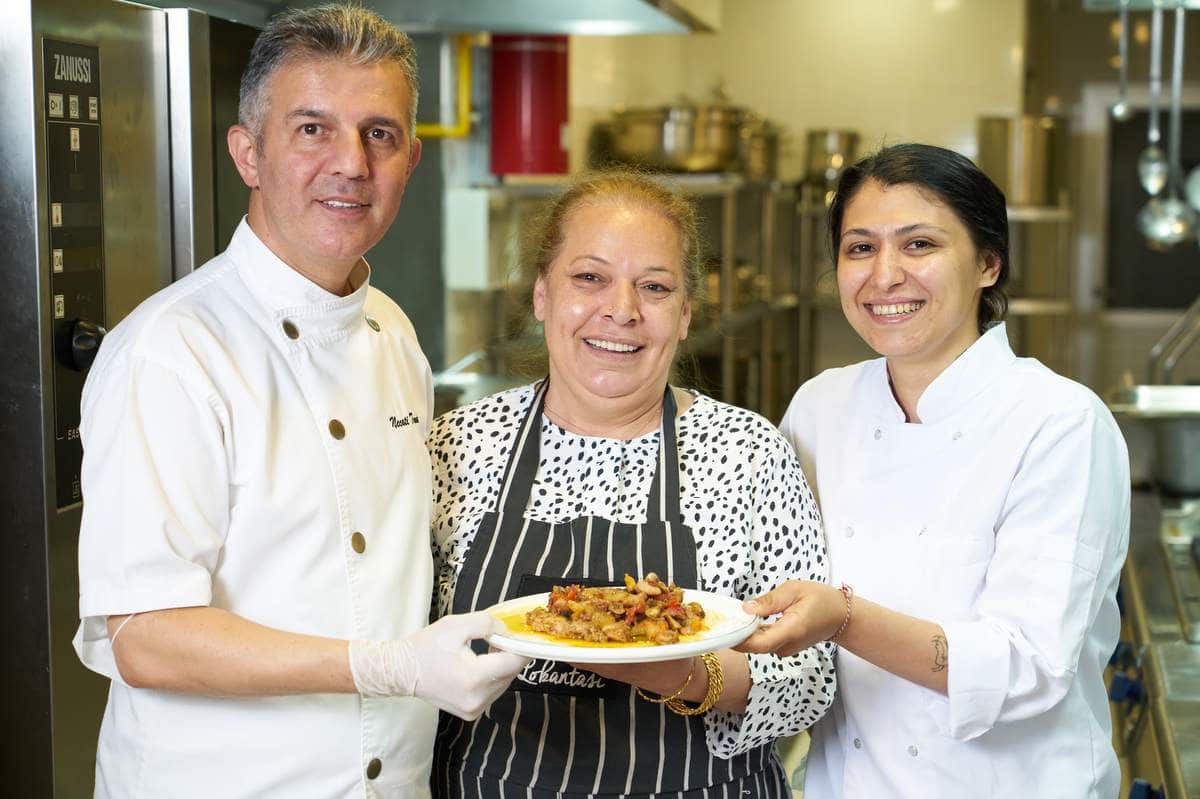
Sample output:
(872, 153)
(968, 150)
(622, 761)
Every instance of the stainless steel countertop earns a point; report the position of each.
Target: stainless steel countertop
(1171, 664)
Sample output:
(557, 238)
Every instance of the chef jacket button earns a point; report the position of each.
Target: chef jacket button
(337, 429)
(371, 323)
(922, 530)
(290, 330)
(374, 767)
(858, 743)
(912, 750)
(957, 435)
(878, 434)
(358, 542)
(849, 531)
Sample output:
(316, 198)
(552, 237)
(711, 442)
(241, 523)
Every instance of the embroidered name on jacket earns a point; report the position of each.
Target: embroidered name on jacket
(541, 672)
(404, 421)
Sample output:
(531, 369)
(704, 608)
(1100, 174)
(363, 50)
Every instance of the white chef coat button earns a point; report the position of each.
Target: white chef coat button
(912, 750)
(290, 330)
(371, 323)
(922, 530)
(337, 429)
(374, 767)
(858, 743)
(358, 542)
(849, 531)
(878, 434)
(957, 435)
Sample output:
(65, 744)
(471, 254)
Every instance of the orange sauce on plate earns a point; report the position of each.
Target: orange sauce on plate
(515, 622)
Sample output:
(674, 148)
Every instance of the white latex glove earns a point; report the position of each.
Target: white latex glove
(437, 664)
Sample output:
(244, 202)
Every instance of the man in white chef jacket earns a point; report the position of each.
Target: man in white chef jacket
(255, 570)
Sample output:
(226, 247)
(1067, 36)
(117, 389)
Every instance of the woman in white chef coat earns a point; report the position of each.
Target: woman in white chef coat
(976, 508)
(601, 469)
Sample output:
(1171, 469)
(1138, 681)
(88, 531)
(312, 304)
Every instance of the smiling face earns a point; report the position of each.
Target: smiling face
(910, 276)
(614, 307)
(329, 167)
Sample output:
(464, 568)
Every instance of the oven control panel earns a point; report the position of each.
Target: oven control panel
(75, 267)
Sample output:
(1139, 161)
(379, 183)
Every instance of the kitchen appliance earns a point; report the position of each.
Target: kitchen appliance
(1154, 673)
(1023, 156)
(1172, 412)
(1155, 670)
(107, 158)
(1173, 415)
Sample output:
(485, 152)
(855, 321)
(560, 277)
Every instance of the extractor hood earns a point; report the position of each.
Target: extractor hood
(596, 17)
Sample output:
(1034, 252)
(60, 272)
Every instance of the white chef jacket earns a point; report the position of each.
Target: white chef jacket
(1003, 517)
(245, 434)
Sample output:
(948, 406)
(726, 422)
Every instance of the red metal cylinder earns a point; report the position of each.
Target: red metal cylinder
(529, 104)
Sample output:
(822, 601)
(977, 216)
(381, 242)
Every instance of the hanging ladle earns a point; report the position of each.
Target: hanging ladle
(1191, 188)
(1120, 109)
(1152, 164)
(1170, 220)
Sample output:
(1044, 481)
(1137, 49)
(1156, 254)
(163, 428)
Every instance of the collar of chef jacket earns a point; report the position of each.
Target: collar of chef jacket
(968, 376)
(287, 294)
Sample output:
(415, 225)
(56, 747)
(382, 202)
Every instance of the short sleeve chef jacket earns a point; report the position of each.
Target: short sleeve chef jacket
(1003, 517)
(255, 443)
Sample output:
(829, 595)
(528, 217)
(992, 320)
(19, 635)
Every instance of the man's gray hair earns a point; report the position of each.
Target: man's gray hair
(337, 31)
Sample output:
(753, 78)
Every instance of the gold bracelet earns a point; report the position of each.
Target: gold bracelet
(716, 682)
(848, 593)
(662, 700)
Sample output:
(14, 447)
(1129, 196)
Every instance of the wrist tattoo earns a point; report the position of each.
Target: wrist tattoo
(941, 653)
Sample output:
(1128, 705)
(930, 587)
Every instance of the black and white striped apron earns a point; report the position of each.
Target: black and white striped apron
(559, 732)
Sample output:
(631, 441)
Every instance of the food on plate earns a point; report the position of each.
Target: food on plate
(645, 611)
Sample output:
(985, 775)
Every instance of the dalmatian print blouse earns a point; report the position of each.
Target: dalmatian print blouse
(744, 497)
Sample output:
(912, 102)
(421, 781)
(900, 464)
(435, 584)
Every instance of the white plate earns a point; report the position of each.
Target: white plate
(728, 625)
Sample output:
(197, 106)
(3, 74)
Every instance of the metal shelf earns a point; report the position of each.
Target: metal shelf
(1138, 5)
(1016, 213)
(1038, 213)
(1039, 306)
(743, 335)
(691, 184)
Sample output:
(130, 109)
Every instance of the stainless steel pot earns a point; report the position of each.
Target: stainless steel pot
(678, 138)
(759, 150)
(829, 153)
(1023, 155)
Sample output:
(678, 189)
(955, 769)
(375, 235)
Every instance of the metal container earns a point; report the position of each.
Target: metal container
(678, 138)
(715, 139)
(1023, 156)
(529, 104)
(829, 152)
(759, 150)
(1173, 415)
(636, 136)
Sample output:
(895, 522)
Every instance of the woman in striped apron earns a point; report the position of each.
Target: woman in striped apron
(603, 469)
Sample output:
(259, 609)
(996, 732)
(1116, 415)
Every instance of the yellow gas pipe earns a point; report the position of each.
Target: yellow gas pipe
(462, 124)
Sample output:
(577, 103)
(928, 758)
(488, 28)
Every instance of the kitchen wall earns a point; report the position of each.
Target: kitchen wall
(893, 71)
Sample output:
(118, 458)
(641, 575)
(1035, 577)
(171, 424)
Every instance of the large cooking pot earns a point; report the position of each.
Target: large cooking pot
(678, 138)
(759, 143)
(830, 152)
(1023, 156)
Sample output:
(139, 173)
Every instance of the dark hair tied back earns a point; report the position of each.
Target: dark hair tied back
(955, 181)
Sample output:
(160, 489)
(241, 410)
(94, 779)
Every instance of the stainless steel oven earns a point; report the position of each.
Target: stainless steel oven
(107, 195)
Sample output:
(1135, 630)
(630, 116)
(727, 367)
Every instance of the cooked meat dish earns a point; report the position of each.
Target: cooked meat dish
(643, 611)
